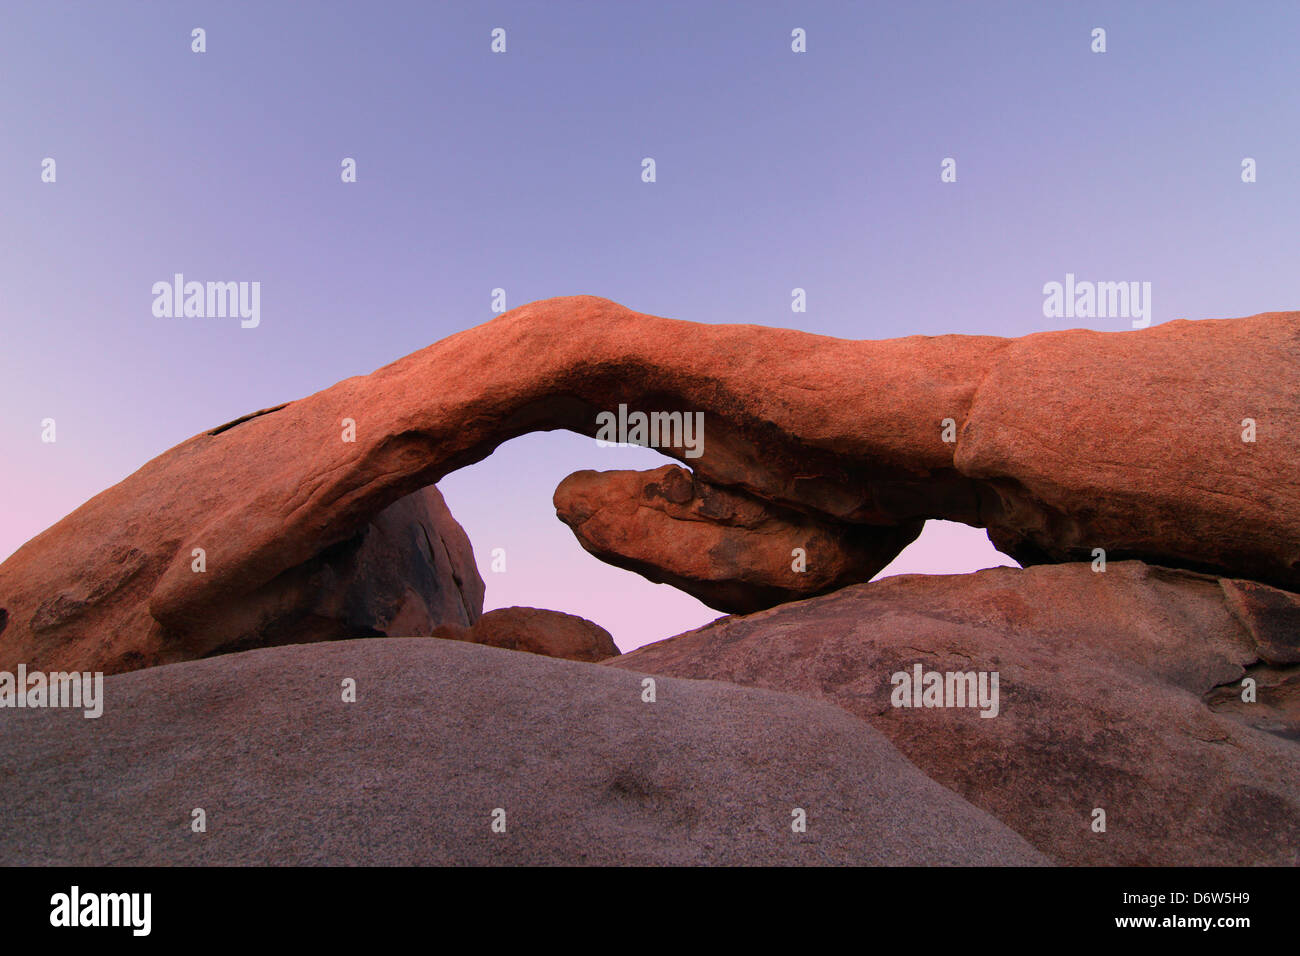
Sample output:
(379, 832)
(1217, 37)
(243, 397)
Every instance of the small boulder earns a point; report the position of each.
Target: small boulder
(537, 631)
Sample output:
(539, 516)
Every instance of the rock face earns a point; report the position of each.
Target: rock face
(440, 736)
(730, 550)
(418, 546)
(1062, 442)
(407, 572)
(537, 631)
(1119, 690)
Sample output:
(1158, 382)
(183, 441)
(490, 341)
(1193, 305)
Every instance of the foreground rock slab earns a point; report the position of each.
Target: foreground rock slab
(1119, 691)
(441, 735)
(1057, 443)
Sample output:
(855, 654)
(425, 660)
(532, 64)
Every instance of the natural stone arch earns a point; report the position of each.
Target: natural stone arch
(1064, 441)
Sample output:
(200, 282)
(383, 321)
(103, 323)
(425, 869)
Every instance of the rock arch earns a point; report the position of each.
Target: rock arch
(1064, 441)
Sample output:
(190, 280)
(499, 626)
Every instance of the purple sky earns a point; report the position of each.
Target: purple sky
(476, 170)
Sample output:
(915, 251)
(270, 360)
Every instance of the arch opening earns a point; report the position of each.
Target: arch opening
(505, 502)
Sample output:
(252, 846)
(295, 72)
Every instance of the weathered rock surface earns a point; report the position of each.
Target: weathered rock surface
(732, 551)
(1118, 690)
(408, 571)
(537, 631)
(1064, 441)
(441, 734)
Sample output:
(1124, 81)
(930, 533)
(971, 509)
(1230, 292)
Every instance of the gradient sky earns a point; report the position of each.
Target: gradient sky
(522, 171)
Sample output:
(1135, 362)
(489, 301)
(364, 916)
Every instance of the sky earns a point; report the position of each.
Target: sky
(522, 170)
